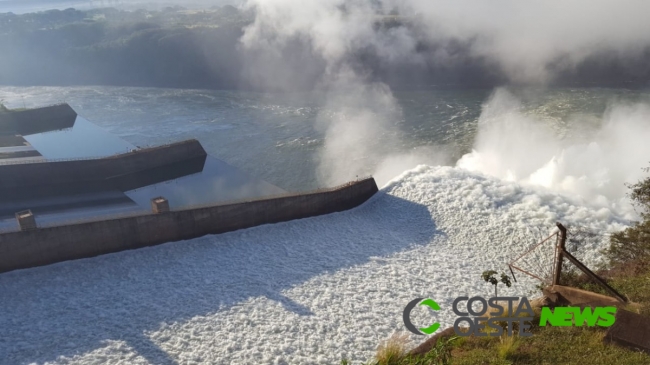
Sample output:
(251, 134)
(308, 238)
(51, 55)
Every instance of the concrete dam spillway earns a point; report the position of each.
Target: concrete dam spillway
(61, 199)
(121, 172)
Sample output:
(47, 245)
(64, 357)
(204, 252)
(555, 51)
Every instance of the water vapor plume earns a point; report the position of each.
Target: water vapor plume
(538, 41)
(516, 41)
(592, 162)
(360, 113)
(352, 50)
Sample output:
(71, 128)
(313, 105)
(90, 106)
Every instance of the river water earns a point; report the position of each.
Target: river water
(277, 136)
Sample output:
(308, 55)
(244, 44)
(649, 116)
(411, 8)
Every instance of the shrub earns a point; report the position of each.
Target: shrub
(392, 350)
(631, 247)
(507, 346)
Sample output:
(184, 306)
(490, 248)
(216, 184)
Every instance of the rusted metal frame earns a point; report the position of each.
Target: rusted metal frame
(512, 273)
(560, 250)
(555, 252)
(534, 247)
(527, 273)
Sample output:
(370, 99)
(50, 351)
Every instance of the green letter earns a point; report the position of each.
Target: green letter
(559, 318)
(607, 315)
(545, 316)
(586, 315)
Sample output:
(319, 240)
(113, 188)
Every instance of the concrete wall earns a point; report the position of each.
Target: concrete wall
(38, 120)
(48, 174)
(49, 245)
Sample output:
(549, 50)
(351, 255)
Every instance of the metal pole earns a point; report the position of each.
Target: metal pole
(595, 277)
(513, 273)
(560, 254)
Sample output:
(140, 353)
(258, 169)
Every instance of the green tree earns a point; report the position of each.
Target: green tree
(488, 276)
(631, 247)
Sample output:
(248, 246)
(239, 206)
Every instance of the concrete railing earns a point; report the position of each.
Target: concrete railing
(43, 246)
(104, 217)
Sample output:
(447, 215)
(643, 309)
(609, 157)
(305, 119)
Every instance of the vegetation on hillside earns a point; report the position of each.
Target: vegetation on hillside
(630, 249)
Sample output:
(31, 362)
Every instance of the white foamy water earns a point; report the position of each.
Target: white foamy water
(310, 291)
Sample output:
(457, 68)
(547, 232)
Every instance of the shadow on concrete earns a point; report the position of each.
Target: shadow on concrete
(71, 308)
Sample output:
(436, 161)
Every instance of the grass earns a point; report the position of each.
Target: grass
(393, 350)
(507, 346)
(547, 346)
(562, 345)
(636, 286)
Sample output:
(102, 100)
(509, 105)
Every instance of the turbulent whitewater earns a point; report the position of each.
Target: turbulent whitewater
(309, 291)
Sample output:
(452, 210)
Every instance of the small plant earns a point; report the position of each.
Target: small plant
(392, 350)
(440, 354)
(442, 350)
(488, 276)
(507, 346)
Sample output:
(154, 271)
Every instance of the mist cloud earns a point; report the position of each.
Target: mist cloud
(592, 167)
(531, 40)
(526, 41)
(350, 42)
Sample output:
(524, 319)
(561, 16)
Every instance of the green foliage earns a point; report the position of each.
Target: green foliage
(488, 277)
(393, 350)
(440, 354)
(505, 279)
(548, 345)
(641, 196)
(507, 346)
(630, 249)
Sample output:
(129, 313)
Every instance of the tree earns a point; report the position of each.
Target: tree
(630, 248)
(488, 276)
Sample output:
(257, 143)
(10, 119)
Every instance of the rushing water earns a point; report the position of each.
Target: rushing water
(276, 136)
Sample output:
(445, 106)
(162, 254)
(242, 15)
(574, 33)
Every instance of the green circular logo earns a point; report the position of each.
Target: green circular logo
(407, 316)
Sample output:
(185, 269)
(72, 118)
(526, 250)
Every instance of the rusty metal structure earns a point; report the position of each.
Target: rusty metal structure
(540, 270)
